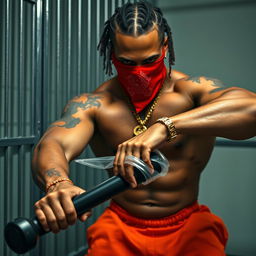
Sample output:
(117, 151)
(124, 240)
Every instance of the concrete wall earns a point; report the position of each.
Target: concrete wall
(217, 39)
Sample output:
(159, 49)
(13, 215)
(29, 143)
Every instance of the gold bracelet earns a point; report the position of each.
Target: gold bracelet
(170, 127)
(57, 181)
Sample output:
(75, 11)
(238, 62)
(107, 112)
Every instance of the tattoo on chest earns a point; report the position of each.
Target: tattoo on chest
(52, 172)
(73, 107)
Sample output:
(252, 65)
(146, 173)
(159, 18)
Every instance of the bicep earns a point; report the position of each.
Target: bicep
(73, 139)
(75, 127)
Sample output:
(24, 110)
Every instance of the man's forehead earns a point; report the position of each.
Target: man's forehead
(132, 43)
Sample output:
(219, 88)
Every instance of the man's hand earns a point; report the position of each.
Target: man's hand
(140, 147)
(56, 210)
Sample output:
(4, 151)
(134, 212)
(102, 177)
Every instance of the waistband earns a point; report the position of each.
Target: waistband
(172, 219)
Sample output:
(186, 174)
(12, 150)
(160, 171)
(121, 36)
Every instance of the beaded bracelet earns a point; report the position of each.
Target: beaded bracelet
(57, 181)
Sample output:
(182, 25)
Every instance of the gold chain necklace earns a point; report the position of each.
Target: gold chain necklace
(141, 127)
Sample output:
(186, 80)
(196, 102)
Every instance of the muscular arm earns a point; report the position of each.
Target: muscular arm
(223, 112)
(218, 111)
(64, 140)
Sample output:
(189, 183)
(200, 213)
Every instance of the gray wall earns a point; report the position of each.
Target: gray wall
(217, 39)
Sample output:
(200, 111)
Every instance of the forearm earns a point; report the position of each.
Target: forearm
(49, 163)
(232, 119)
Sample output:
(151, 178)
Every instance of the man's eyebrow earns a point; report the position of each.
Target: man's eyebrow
(151, 57)
(122, 58)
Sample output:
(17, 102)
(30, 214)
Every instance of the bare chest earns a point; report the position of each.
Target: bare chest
(115, 122)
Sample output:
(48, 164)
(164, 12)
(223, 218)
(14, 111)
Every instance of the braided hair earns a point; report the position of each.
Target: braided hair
(134, 19)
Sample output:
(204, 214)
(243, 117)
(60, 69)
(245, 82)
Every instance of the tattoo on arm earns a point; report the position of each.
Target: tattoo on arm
(215, 82)
(52, 172)
(73, 107)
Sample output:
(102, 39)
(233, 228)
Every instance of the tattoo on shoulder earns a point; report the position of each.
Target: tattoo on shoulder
(215, 82)
(73, 107)
(195, 79)
(52, 172)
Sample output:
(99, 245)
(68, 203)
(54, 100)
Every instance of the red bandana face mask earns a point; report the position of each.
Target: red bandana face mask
(141, 83)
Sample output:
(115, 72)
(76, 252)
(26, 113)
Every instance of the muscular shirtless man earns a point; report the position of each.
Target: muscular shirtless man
(161, 218)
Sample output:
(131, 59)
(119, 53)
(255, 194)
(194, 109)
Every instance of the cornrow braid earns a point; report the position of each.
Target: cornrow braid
(134, 19)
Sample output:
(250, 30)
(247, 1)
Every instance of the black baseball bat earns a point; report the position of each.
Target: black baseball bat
(22, 234)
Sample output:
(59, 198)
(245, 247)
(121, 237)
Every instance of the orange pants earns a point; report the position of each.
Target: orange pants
(193, 231)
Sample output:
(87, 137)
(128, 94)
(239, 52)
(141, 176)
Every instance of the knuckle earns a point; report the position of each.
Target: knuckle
(144, 145)
(41, 218)
(41, 201)
(62, 192)
(70, 212)
(137, 144)
(62, 218)
(51, 220)
(130, 144)
(49, 197)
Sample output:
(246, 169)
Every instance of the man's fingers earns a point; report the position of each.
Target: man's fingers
(146, 158)
(59, 214)
(42, 218)
(51, 219)
(129, 169)
(115, 169)
(69, 209)
(129, 175)
(120, 162)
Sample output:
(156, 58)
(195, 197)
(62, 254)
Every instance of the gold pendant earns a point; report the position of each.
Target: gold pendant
(139, 129)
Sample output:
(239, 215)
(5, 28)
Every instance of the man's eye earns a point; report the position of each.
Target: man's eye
(149, 61)
(128, 62)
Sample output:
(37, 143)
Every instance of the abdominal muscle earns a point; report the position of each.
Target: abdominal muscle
(174, 191)
(163, 197)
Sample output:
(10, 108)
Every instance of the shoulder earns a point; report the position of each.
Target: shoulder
(101, 95)
(202, 89)
(197, 85)
(107, 86)
(83, 103)
(176, 75)
(85, 100)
